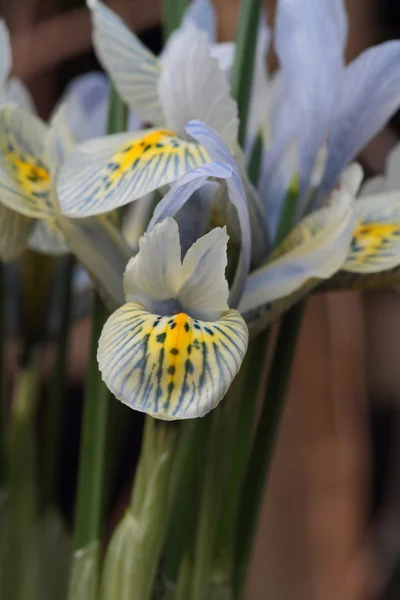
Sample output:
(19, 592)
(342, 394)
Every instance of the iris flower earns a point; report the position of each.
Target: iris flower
(175, 344)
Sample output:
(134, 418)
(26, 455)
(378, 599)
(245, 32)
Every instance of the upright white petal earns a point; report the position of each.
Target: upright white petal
(155, 272)
(132, 67)
(5, 52)
(204, 290)
(192, 86)
(18, 93)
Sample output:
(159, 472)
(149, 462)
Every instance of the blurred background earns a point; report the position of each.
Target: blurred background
(330, 528)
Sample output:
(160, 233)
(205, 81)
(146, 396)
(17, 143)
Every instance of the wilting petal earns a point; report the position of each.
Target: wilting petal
(47, 238)
(202, 14)
(24, 178)
(105, 173)
(375, 245)
(220, 153)
(204, 289)
(310, 39)
(193, 86)
(155, 272)
(172, 367)
(14, 233)
(315, 249)
(369, 97)
(5, 52)
(134, 70)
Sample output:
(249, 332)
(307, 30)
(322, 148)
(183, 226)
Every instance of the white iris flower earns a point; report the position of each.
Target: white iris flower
(174, 348)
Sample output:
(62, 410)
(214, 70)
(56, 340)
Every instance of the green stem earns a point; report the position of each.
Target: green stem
(89, 504)
(185, 485)
(262, 451)
(173, 11)
(55, 409)
(242, 72)
(248, 393)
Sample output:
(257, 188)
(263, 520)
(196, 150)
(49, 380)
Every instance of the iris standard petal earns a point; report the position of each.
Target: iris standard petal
(133, 69)
(219, 152)
(24, 177)
(184, 187)
(204, 288)
(315, 249)
(310, 39)
(18, 93)
(172, 367)
(370, 94)
(155, 272)
(193, 86)
(105, 173)
(14, 233)
(5, 52)
(375, 245)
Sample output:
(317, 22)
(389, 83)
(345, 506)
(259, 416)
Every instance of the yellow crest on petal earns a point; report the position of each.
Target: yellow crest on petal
(374, 245)
(172, 367)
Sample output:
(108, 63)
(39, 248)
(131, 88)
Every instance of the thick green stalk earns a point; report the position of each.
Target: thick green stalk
(264, 442)
(186, 479)
(55, 408)
(247, 392)
(172, 15)
(89, 504)
(242, 72)
(133, 554)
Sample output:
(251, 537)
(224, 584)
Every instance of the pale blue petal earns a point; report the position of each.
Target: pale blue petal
(194, 217)
(193, 86)
(183, 189)
(171, 367)
(155, 272)
(91, 92)
(14, 233)
(134, 70)
(204, 290)
(105, 173)
(315, 249)
(370, 96)
(203, 15)
(5, 52)
(219, 152)
(310, 39)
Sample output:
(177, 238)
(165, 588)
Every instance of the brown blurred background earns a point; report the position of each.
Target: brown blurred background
(330, 529)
